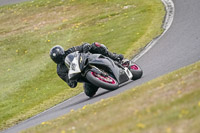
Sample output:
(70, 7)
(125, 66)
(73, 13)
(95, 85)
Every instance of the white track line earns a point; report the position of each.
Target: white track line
(170, 10)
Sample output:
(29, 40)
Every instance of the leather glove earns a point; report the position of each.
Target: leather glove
(120, 57)
(86, 47)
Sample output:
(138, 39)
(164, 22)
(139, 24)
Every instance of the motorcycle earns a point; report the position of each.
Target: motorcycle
(101, 71)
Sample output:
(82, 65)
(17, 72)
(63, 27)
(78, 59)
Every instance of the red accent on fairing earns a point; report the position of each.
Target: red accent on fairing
(135, 67)
(97, 44)
(102, 78)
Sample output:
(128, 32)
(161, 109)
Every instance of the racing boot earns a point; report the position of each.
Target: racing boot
(115, 57)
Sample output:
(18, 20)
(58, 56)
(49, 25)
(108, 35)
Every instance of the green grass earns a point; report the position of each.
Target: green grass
(168, 104)
(28, 80)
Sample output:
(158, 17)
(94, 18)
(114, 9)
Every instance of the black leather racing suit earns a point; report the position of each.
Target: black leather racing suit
(98, 48)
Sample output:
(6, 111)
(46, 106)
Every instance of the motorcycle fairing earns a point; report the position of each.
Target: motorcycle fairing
(74, 70)
(83, 60)
(119, 73)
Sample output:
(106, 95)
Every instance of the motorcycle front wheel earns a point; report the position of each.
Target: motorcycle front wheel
(107, 82)
(135, 70)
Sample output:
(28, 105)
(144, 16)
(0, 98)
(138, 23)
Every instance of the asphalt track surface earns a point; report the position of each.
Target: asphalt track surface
(178, 47)
(8, 2)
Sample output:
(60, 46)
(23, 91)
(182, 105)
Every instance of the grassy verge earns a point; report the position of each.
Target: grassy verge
(28, 81)
(168, 104)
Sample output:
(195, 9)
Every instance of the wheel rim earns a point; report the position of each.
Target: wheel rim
(135, 67)
(108, 79)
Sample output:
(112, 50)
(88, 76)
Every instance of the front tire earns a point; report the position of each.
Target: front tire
(107, 83)
(135, 70)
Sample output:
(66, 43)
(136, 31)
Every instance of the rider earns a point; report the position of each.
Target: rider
(58, 55)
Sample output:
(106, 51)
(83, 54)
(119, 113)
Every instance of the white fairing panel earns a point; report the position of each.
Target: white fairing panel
(74, 67)
(128, 72)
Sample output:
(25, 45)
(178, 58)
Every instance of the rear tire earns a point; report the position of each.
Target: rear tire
(107, 83)
(135, 70)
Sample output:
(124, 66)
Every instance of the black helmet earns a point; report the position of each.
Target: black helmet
(57, 54)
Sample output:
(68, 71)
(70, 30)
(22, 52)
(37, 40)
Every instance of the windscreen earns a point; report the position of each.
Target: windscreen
(68, 60)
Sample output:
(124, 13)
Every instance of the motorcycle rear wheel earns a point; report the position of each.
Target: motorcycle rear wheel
(107, 83)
